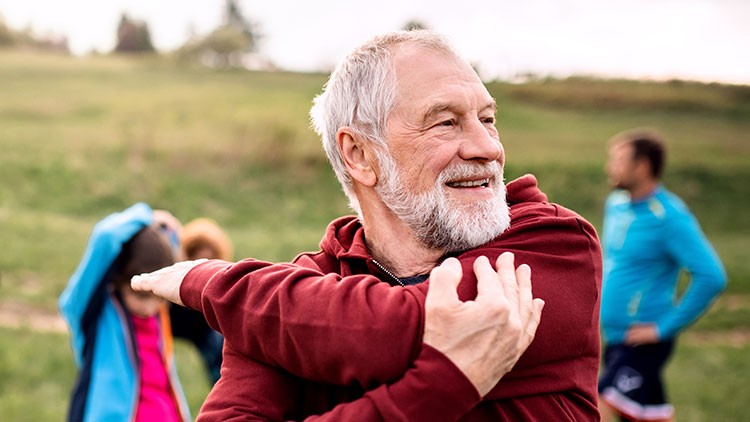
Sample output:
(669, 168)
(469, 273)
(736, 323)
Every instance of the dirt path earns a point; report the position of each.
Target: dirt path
(739, 338)
(15, 315)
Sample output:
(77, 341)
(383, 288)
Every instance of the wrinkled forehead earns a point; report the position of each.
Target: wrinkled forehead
(417, 67)
(417, 60)
(423, 75)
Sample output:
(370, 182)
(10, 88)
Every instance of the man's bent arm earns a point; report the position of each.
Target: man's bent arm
(317, 326)
(432, 389)
(504, 304)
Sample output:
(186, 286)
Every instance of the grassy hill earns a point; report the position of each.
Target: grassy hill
(81, 138)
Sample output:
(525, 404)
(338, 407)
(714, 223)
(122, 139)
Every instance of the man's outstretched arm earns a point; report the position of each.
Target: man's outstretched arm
(455, 368)
(282, 314)
(284, 322)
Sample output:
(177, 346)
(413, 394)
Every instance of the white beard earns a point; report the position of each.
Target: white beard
(438, 222)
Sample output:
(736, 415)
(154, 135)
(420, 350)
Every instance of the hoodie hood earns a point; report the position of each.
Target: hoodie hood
(524, 189)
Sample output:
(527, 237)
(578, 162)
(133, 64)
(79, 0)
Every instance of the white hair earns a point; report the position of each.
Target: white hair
(361, 93)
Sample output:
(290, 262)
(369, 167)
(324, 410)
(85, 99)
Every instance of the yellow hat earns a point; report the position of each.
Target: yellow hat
(206, 232)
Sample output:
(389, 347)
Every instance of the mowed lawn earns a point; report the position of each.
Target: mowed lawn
(81, 138)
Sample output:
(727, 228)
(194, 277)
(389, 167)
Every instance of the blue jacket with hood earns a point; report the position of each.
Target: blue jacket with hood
(103, 345)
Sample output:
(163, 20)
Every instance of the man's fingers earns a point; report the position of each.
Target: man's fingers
(444, 279)
(499, 282)
(139, 283)
(525, 297)
(165, 282)
(530, 309)
(454, 265)
(143, 282)
(535, 318)
(489, 287)
(146, 282)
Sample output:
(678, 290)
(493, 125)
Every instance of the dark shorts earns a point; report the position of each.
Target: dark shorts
(631, 380)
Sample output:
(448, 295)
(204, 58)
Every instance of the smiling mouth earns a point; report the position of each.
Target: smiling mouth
(470, 183)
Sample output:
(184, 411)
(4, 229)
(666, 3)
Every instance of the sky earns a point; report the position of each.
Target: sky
(704, 40)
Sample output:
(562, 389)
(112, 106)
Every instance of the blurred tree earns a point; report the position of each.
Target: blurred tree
(229, 45)
(11, 38)
(133, 36)
(51, 42)
(233, 18)
(414, 25)
(225, 47)
(7, 35)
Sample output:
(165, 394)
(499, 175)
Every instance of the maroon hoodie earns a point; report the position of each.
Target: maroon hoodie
(329, 335)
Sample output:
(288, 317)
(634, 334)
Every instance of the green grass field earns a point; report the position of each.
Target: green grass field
(81, 138)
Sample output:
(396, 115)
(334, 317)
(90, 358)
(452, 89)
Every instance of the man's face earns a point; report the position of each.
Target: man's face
(444, 178)
(621, 166)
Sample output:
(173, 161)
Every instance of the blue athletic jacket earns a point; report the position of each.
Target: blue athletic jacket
(647, 244)
(107, 387)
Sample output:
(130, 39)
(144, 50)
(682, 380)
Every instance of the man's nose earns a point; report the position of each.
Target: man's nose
(479, 144)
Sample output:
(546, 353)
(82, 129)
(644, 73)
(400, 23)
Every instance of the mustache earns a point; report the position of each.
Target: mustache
(471, 171)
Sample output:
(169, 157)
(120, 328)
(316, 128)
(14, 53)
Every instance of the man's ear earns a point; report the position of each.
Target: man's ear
(357, 158)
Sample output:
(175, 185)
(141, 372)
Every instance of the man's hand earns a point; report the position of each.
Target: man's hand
(639, 334)
(165, 282)
(485, 337)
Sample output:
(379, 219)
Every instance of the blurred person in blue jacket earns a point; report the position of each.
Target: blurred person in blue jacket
(121, 339)
(649, 238)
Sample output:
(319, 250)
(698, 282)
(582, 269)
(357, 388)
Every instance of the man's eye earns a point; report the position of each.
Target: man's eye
(490, 120)
(450, 122)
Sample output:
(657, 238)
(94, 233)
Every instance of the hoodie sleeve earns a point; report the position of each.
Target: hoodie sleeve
(432, 389)
(102, 249)
(292, 318)
(321, 327)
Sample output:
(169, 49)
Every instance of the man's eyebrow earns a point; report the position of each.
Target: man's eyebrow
(492, 104)
(441, 107)
(434, 110)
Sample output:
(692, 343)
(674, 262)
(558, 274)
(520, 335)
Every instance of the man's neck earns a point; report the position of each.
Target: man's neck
(644, 189)
(403, 259)
(394, 246)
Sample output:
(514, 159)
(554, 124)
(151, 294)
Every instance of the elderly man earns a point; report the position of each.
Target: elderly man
(351, 332)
